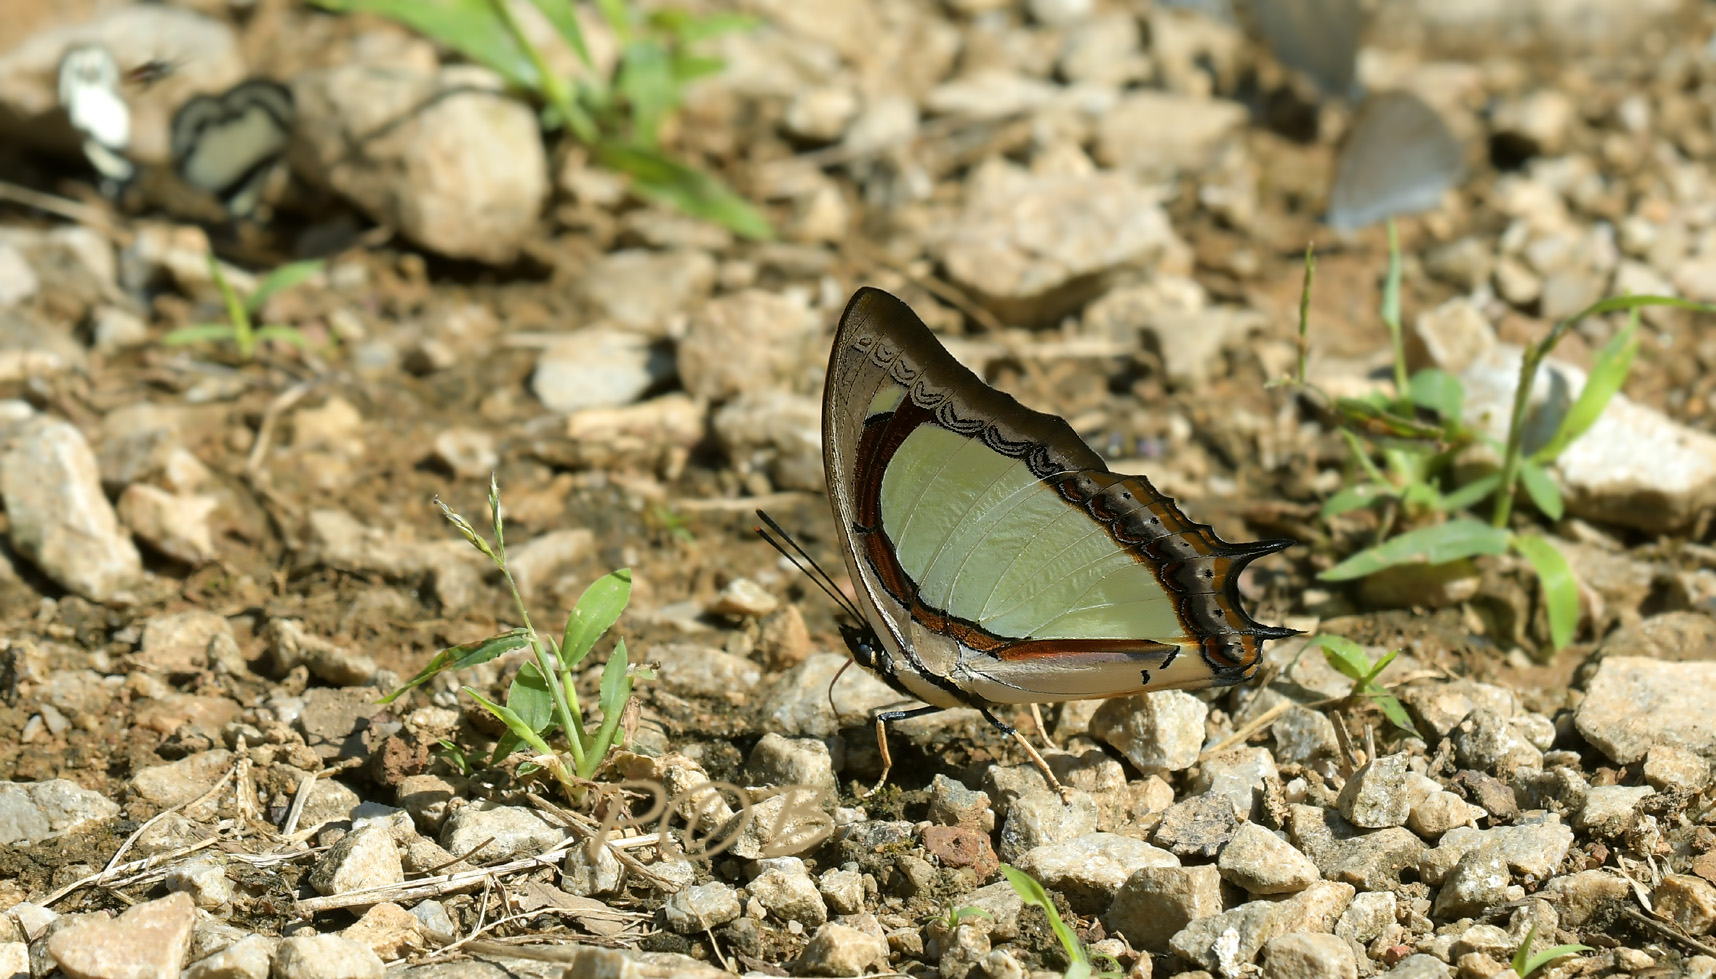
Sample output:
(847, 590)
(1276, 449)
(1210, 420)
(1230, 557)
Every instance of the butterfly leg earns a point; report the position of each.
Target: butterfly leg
(1036, 758)
(1042, 730)
(882, 720)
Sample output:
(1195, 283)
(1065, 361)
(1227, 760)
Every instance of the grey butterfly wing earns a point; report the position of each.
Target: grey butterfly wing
(1398, 158)
(1317, 37)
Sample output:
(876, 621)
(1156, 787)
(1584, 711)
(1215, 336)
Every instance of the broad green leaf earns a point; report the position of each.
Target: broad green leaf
(1372, 420)
(461, 656)
(665, 180)
(1032, 893)
(529, 698)
(1608, 375)
(565, 20)
(513, 722)
(1353, 498)
(1540, 486)
(281, 279)
(597, 611)
(1392, 710)
(1560, 587)
(1427, 545)
(1344, 655)
(1471, 493)
(1439, 391)
(198, 333)
(469, 27)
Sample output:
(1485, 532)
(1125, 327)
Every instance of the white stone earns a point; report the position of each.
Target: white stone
(60, 519)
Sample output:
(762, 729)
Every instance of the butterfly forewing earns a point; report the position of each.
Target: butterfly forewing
(994, 553)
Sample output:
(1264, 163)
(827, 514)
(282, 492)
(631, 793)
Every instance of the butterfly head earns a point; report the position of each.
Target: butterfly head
(863, 643)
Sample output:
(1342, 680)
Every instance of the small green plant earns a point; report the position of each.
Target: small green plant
(1404, 447)
(543, 697)
(1525, 963)
(240, 327)
(951, 916)
(453, 755)
(1348, 658)
(1079, 961)
(619, 117)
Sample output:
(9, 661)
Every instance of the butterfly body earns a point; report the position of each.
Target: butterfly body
(996, 558)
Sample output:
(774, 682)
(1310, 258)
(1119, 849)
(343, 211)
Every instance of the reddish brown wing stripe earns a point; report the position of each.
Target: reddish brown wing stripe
(1039, 648)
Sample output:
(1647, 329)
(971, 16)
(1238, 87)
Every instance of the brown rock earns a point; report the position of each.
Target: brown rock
(961, 846)
(388, 930)
(148, 941)
(1688, 901)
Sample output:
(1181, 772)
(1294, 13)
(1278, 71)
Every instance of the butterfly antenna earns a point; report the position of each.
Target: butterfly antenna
(805, 563)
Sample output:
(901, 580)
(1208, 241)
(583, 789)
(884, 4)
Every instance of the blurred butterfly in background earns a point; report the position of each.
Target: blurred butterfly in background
(89, 94)
(1398, 157)
(227, 145)
(995, 557)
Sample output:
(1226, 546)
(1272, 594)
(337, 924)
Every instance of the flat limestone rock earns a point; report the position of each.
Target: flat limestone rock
(1633, 703)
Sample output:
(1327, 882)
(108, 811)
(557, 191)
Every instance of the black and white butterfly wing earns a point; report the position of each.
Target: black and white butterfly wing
(89, 93)
(1398, 158)
(226, 145)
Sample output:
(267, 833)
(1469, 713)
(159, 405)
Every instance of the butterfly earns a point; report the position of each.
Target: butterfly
(1398, 158)
(89, 93)
(996, 559)
(227, 145)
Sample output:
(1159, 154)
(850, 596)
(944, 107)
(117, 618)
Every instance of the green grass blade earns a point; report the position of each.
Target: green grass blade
(1032, 893)
(198, 333)
(1439, 391)
(285, 334)
(1377, 667)
(616, 690)
(281, 279)
(565, 20)
(1471, 493)
(596, 612)
(690, 28)
(1540, 486)
(664, 180)
(529, 698)
(469, 27)
(1345, 656)
(1392, 710)
(513, 722)
(1560, 587)
(647, 82)
(1427, 545)
(1375, 420)
(1608, 375)
(1549, 955)
(461, 656)
(1353, 498)
(1391, 313)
